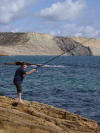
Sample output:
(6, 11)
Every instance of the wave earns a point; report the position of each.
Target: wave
(58, 66)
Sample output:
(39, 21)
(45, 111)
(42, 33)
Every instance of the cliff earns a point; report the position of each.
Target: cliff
(92, 43)
(40, 44)
(34, 117)
(72, 47)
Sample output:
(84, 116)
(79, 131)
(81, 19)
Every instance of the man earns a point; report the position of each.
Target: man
(18, 79)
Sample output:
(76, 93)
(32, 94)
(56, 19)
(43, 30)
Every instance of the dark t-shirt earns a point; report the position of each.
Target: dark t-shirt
(19, 75)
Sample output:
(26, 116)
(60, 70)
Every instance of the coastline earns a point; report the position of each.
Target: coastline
(40, 44)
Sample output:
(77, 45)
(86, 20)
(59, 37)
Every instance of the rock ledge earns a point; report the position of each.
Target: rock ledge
(34, 117)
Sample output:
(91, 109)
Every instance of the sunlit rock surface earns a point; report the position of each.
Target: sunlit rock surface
(35, 117)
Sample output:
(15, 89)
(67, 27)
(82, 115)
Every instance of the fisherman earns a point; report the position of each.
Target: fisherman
(18, 79)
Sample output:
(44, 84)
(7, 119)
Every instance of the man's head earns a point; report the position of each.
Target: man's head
(24, 65)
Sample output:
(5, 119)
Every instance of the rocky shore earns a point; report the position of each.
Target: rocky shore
(34, 117)
(41, 44)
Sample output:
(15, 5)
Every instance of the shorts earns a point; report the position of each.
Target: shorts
(18, 86)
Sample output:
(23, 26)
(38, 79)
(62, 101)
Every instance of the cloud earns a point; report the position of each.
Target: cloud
(9, 9)
(75, 30)
(9, 28)
(64, 11)
(88, 31)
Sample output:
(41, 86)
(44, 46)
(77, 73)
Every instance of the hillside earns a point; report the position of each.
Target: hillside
(40, 44)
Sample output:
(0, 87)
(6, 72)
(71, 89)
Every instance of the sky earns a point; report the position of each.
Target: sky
(56, 17)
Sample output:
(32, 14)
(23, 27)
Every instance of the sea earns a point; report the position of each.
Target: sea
(68, 82)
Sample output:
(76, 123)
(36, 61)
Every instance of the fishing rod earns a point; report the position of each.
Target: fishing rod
(38, 65)
(50, 60)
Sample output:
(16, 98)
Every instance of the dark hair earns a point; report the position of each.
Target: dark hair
(23, 63)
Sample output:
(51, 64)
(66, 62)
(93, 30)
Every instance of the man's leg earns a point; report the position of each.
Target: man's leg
(19, 97)
(19, 92)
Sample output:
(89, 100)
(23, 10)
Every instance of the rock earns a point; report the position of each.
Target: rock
(34, 117)
(92, 43)
(40, 44)
(72, 47)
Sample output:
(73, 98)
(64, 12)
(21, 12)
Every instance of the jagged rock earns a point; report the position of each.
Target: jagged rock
(34, 117)
(73, 47)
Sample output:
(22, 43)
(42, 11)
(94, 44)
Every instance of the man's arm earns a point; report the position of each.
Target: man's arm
(27, 73)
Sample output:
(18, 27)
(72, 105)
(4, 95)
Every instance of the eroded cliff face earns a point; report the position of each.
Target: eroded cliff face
(39, 44)
(73, 47)
(92, 43)
(34, 117)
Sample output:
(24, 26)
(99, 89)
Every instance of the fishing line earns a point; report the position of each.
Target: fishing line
(41, 65)
(50, 60)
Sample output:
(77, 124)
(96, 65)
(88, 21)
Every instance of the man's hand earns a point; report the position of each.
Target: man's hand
(33, 70)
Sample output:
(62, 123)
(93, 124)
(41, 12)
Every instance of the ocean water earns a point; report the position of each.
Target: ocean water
(68, 82)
